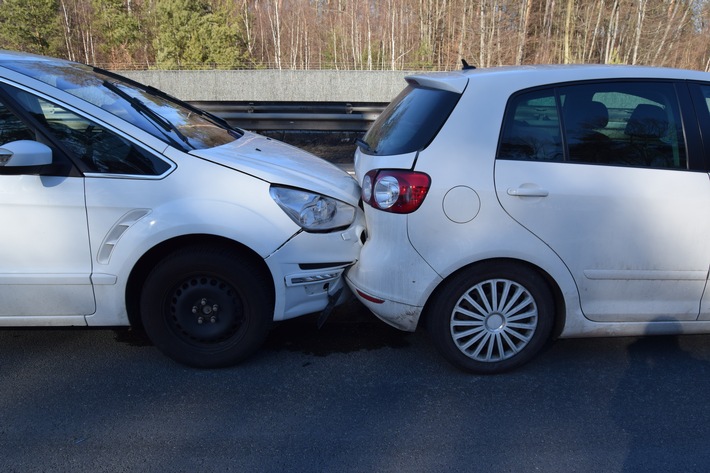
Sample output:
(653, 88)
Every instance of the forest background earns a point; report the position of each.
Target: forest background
(359, 34)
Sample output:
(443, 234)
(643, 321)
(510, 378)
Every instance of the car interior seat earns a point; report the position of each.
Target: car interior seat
(646, 127)
(583, 122)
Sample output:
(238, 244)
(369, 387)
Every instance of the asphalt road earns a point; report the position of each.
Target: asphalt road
(355, 396)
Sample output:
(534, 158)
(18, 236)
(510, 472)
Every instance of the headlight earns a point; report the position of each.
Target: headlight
(313, 212)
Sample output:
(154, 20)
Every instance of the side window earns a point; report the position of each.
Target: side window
(96, 149)
(12, 128)
(704, 115)
(531, 129)
(626, 124)
(610, 123)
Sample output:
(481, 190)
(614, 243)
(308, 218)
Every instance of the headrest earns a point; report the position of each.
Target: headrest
(587, 116)
(647, 121)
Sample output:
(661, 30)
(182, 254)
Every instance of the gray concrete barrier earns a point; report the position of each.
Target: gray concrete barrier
(276, 85)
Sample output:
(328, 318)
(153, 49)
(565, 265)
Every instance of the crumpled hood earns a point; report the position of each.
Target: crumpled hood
(279, 163)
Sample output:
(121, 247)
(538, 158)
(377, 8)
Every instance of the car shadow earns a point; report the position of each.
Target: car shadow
(351, 327)
(660, 397)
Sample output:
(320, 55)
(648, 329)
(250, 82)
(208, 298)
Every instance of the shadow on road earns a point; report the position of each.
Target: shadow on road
(349, 328)
(657, 399)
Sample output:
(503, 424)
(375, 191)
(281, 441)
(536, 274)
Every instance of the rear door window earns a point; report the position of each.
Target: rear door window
(410, 122)
(610, 123)
(625, 123)
(701, 97)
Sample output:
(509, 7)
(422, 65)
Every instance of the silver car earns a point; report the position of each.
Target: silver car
(509, 206)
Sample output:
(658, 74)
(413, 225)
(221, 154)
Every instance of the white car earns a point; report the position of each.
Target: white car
(509, 206)
(121, 205)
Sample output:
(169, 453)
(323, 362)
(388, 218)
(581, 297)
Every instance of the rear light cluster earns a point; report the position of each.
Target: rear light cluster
(396, 191)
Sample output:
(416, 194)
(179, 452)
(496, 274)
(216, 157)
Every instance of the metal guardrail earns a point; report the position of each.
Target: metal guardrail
(307, 116)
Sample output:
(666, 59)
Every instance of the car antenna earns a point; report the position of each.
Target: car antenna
(466, 65)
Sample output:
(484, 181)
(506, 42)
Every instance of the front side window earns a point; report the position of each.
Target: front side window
(611, 123)
(12, 128)
(94, 148)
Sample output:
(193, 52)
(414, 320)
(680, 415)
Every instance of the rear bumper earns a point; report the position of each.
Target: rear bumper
(390, 278)
(394, 293)
(401, 316)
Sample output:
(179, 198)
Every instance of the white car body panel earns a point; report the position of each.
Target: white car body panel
(626, 265)
(211, 212)
(44, 247)
(364, 163)
(279, 163)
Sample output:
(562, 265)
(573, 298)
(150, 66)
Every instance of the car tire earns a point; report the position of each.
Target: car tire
(491, 317)
(207, 307)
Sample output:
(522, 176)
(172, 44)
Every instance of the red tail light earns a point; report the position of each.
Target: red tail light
(395, 191)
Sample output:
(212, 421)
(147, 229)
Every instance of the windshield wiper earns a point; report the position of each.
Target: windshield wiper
(164, 95)
(147, 112)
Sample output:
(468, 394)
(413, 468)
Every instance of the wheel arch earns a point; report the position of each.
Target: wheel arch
(150, 258)
(560, 306)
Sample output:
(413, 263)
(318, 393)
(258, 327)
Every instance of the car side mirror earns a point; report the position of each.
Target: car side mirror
(25, 153)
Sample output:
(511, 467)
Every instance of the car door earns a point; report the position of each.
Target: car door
(45, 259)
(615, 198)
(700, 93)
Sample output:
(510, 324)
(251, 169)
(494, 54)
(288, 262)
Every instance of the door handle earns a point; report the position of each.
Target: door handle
(528, 192)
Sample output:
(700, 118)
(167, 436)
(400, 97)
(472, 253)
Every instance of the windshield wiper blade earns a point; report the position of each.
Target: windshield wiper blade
(203, 113)
(170, 98)
(147, 112)
(364, 145)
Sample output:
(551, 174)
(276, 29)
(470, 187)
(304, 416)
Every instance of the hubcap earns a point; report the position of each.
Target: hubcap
(205, 309)
(494, 320)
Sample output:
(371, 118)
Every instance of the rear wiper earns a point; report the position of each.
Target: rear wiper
(146, 111)
(364, 145)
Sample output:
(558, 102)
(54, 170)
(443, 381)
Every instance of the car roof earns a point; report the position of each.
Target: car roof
(519, 77)
(6, 55)
(8, 58)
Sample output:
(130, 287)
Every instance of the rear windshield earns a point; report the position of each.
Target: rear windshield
(410, 122)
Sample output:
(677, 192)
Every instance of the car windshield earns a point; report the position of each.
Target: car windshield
(410, 122)
(168, 119)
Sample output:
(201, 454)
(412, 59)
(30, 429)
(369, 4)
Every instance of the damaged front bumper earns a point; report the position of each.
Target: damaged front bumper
(308, 270)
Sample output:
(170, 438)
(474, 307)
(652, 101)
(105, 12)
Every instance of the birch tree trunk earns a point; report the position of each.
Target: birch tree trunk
(568, 27)
(525, 7)
(640, 15)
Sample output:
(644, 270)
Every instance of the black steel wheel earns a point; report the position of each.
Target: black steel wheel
(206, 307)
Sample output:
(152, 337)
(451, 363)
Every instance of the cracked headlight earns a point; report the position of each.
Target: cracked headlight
(313, 212)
